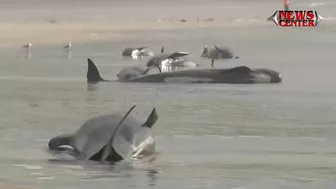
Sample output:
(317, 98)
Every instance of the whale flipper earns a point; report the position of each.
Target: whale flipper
(146, 71)
(178, 54)
(108, 146)
(141, 48)
(93, 75)
(151, 120)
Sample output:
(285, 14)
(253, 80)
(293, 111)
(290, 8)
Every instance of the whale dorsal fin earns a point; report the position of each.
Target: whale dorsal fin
(162, 49)
(178, 54)
(141, 48)
(108, 147)
(93, 75)
(240, 70)
(151, 120)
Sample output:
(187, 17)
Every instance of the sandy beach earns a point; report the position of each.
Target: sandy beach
(14, 34)
(47, 22)
(42, 33)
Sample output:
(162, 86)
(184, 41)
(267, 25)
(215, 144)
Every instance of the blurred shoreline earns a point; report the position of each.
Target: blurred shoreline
(47, 22)
(42, 33)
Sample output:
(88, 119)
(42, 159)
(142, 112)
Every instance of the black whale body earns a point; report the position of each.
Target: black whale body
(237, 75)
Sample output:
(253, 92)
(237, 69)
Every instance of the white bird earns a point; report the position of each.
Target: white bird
(68, 46)
(27, 46)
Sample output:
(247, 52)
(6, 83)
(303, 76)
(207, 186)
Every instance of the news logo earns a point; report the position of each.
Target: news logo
(296, 18)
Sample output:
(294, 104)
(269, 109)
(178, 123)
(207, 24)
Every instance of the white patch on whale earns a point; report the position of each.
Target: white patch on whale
(173, 65)
(184, 79)
(144, 148)
(262, 78)
(166, 65)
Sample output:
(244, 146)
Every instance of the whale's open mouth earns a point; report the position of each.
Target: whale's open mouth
(64, 152)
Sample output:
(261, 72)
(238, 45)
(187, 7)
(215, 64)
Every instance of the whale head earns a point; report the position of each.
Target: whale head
(271, 75)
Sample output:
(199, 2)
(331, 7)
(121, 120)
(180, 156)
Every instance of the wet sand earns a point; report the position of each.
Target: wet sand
(12, 35)
(49, 22)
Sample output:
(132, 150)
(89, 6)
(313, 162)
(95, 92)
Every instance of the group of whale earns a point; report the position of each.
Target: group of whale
(115, 137)
(168, 66)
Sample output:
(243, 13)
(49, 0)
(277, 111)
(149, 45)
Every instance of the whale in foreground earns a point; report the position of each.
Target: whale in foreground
(218, 53)
(107, 139)
(236, 75)
(137, 52)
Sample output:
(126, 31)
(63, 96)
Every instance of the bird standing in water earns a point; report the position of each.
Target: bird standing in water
(68, 46)
(27, 46)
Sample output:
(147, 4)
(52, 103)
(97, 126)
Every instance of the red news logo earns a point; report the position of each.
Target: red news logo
(296, 18)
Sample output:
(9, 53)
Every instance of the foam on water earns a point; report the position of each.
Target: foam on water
(29, 167)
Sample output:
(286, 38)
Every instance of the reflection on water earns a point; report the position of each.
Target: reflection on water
(28, 53)
(69, 53)
(91, 88)
(152, 178)
(92, 98)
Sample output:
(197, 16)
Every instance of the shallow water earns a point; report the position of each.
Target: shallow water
(208, 135)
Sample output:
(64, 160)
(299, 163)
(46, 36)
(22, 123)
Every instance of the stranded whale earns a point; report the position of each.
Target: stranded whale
(137, 52)
(107, 138)
(236, 75)
(218, 53)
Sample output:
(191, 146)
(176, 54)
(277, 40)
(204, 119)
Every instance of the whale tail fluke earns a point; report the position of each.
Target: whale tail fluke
(93, 75)
(151, 120)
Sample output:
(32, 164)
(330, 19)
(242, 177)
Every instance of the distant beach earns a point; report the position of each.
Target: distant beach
(48, 22)
(14, 34)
